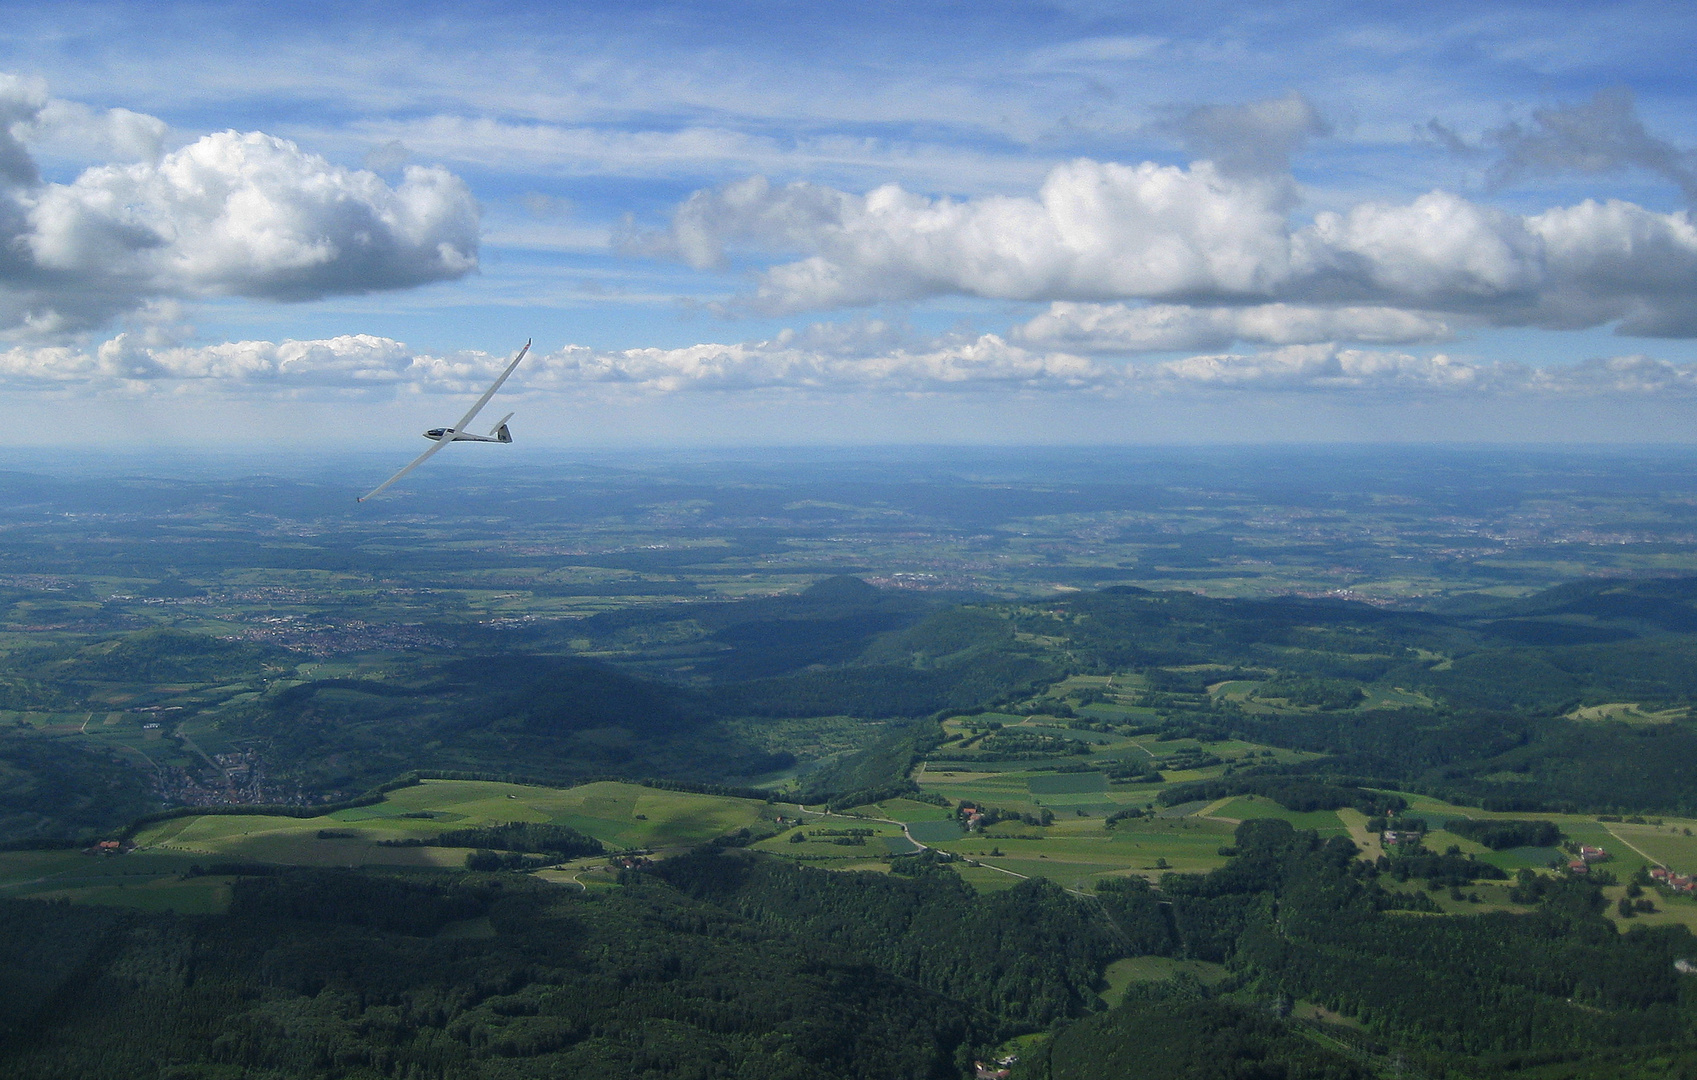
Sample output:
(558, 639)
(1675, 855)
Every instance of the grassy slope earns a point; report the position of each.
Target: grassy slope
(620, 815)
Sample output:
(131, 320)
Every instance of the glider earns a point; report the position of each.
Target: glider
(458, 433)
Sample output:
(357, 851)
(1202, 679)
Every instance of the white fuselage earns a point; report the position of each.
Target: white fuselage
(459, 436)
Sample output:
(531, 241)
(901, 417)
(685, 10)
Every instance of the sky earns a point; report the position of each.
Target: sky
(807, 223)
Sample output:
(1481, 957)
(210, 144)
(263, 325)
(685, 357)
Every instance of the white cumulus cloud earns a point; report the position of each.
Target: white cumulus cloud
(969, 363)
(1324, 367)
(352, 360)
(1095, 231)
(1103, 232)
(231, 214)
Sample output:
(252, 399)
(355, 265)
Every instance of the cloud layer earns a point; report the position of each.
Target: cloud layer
(231, 214)
(1099, 231)
(1122, 328)
(868, 357)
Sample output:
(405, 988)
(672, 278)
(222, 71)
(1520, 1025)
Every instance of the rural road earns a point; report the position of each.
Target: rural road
(1634, 847)
(851, 817)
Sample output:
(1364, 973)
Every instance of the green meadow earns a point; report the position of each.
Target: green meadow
(1067, 783)
(1075, 852)
(1121, 974)
(1671, 844)
(619, 815)
(1247, 807)
(159, 873)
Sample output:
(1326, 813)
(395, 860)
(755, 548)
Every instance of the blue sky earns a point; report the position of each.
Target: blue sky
(791, 223)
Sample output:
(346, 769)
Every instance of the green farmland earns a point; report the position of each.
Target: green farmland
(159, 872)
(1075, 849)
(1324, 822)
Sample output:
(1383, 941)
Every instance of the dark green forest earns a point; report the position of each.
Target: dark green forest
(334, 973)
(729, 964)
(1167, 1034)
(51, 789)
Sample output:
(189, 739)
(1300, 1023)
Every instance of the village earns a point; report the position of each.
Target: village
(229, 779)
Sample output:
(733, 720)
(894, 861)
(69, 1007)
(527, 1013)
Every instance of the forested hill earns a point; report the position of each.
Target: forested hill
(1552, 991)
(1577, 698)
(640, 693)
(561, 718)
(726, 965)
(715, 969)
(1457, 703)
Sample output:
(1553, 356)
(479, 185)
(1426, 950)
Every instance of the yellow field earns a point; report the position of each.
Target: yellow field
(1368, 841)
(1630, 712)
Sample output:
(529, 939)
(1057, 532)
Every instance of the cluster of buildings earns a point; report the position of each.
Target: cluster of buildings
(1587, 856)
(244, 768)
(995, 1070)
(330, 639)
(239, 780)
(922, 582)
(1684, 883)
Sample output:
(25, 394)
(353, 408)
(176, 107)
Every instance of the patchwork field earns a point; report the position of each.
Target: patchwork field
(619, 815)
(1075, 852)
(140, 880)
(1671, 910)
(166, 870)
(841, 841)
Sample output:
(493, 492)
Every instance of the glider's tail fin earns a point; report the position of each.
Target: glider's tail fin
(500, 432)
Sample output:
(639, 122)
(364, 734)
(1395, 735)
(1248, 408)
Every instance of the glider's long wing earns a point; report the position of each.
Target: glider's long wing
(489, 393)
(416, 462)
